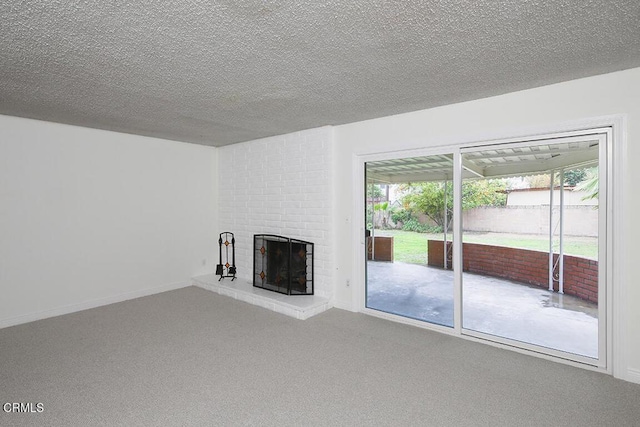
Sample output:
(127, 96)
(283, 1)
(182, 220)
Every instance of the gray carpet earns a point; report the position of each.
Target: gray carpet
(192, 357)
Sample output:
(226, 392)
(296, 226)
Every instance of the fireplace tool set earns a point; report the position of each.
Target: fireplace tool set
(228, 269)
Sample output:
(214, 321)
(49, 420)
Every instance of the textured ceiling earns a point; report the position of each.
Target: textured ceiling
(219, 72)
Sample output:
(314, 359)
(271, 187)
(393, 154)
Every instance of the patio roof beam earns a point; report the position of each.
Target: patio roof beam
(540, 166)
(378, 179)
(555, 151)
(469, 166)
(438, 159)
(411, 177)
(473, 168)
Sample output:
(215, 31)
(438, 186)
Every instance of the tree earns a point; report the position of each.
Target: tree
(383, 213)
(590, 184)
(575, 176)
(484, 192)
(374, 193)
(538, 181)
(429, 197)
(571, 178)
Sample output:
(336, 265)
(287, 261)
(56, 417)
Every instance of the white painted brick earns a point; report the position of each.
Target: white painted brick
(290, 189)
(314, 234)
(272, 205)
(245, 297)
(315, 204)
(266, 187)
(272, 189)
(256, 185)
(292, 232)
(294, 162)
(227, 292)
(313, 218)
(289, 175)
(273, 225)
(254, 216)
(272, 230)
(296, 217)
(293, 142)
(272, 217)
(261, 197)
(312, 189)
(292, 202)
(255, 204)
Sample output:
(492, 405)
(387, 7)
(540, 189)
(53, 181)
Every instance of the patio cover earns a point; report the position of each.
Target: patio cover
(491, 163)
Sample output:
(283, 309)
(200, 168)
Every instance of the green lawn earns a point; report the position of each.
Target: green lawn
(411, 247)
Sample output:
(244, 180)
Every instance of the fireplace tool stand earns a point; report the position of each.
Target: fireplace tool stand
(227, 239)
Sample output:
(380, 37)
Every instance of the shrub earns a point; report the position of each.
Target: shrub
(410, 223)
(400, 215)
(413, 224)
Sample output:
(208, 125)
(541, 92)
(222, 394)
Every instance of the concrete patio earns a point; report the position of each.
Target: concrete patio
(490, 305)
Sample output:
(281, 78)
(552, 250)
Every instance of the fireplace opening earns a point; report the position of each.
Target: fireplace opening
(282, 264)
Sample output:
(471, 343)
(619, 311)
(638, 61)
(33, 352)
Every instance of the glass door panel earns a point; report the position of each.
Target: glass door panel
(531, 255)
(409, 216)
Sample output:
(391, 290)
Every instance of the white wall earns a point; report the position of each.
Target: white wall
(280, 185)
(513, 114)
(578, 220)
(536, 197)
(89, 217)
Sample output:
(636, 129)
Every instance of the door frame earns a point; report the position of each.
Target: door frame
(615, 271)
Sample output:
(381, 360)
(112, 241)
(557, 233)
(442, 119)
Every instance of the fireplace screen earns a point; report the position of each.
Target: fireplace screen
(282, 264)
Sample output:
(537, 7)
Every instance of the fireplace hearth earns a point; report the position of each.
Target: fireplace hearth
(282, 264)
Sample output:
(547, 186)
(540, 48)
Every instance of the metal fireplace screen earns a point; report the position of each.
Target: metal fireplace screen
(282, 264)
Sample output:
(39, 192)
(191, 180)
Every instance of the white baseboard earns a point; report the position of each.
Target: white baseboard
(633, 375)
(72, 308)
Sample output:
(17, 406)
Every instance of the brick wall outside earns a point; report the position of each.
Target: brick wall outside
(522, 265)
(383, 250)
(279, 185)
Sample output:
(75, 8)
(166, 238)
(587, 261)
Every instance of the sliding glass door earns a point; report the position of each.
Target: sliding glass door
(532, 218)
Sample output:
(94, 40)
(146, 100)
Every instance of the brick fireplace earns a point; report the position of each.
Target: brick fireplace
(282, 264)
